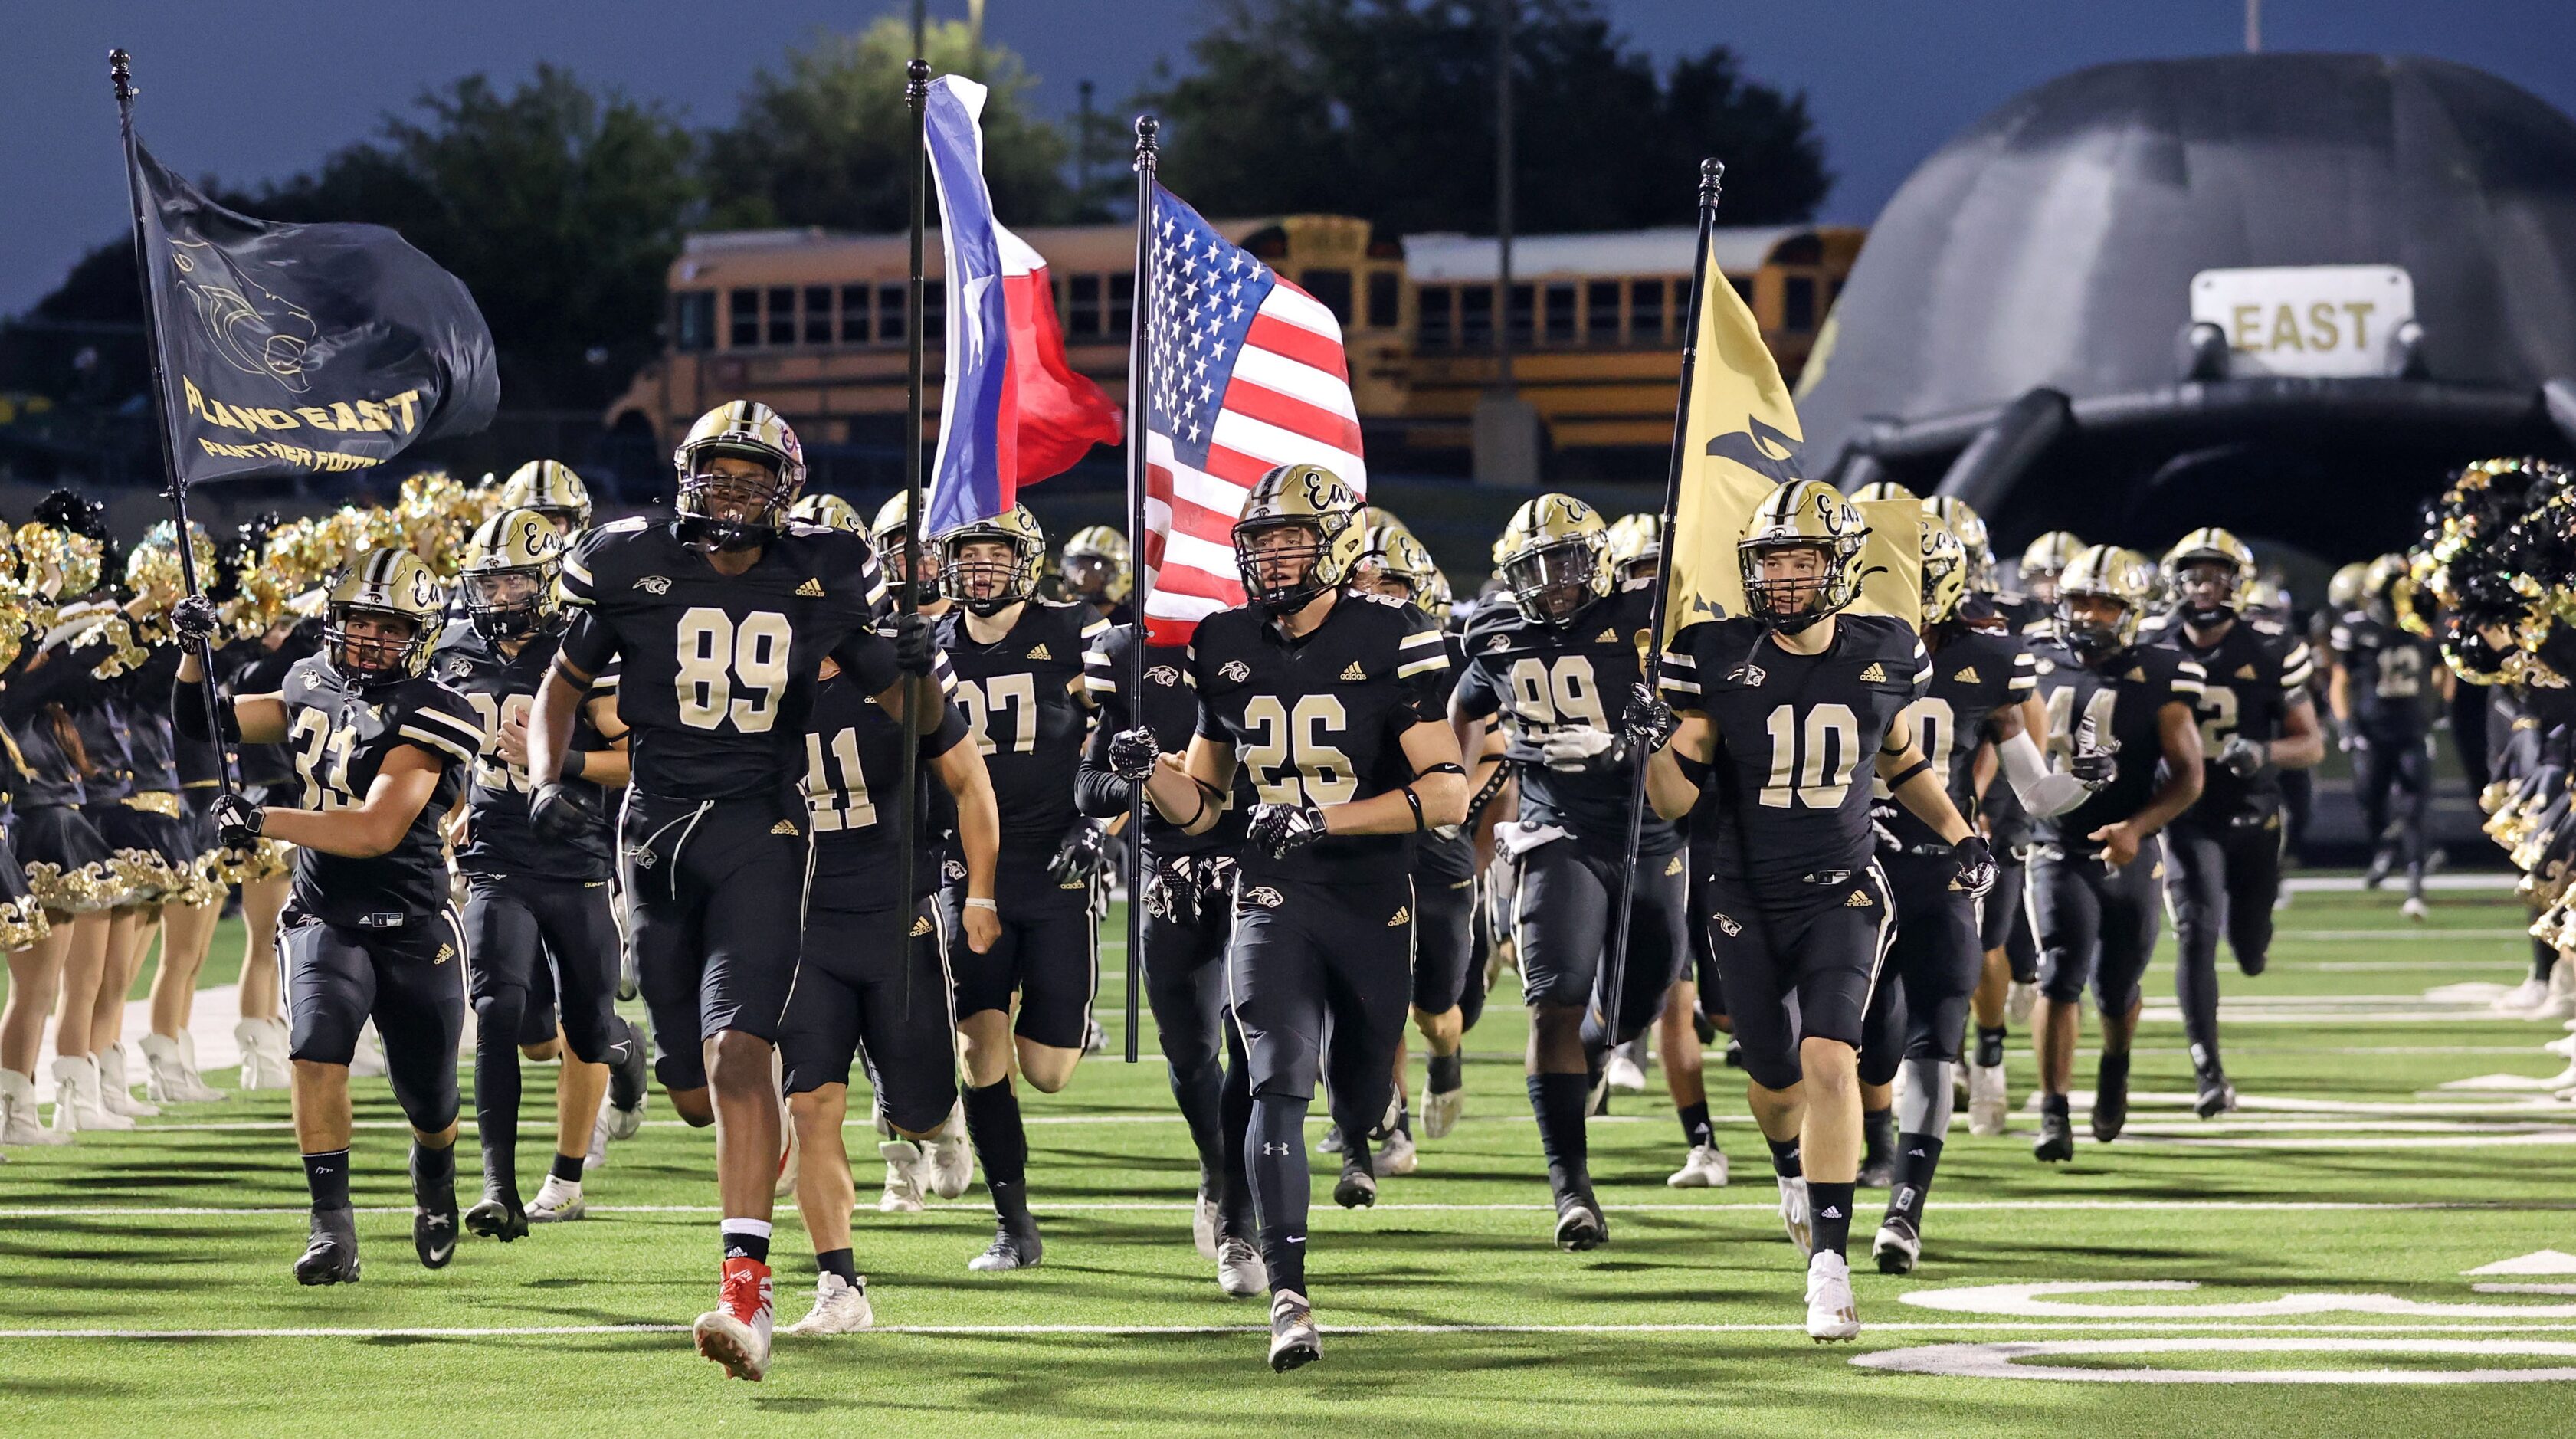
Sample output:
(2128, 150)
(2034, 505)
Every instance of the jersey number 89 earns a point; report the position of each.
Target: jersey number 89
(717, 655)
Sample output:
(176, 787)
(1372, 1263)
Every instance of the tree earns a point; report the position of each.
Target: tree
(1384, 108)
(827, 140)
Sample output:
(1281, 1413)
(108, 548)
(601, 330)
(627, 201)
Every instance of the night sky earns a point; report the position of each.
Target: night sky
(257, 89)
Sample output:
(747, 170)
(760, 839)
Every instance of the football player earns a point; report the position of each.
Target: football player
(533, 902)
(1784, 705)
(864, 991)
(722, 617)
(2034, 611)
(383, 751)
(2120, 715)
(1636, 549)
(1189, 920)
(2223, 855)
(2386, 687)
(1551, 662)
(1334, 703)
(550, 488)
(1019, 668)
(1096, 570)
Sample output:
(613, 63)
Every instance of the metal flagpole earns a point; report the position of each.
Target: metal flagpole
(120, 72)
(1711, 172)
(916, 93)
(1139, 352)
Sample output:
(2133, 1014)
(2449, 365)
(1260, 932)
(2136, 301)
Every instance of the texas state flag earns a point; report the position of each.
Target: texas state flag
(1012, 411)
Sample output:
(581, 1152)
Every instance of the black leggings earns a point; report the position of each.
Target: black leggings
(2393, 776)
(2217, 879)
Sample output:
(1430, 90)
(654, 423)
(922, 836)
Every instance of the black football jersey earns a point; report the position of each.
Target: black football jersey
(719, 669)
(2111, 705)
(1789, 795)
(1541, 678)
(1974, 673)
(853, 785)
(2391, 675)
(1172, 712)
(340, 737)
(502, 687)
(1024, 707)
(1320, 720)
(2255, 672)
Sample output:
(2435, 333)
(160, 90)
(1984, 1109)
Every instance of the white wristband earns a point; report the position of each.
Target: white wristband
(984, 904)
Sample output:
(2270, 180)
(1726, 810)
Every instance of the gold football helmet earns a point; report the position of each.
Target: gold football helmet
(1945, 572)
(1097, 565)
(1636, 546)
(381, 585)
(886, 533)
(1000, 585)
(509, 574)
(1278, 574)
(1969, 528)
(2388, 589)
(2343, 592)
(1555, 558)
(2045, 559)
(1881, 490)
(1388, 553)
(829, 511)
(550, 488)
(2104, 572)
(1802, 514)
(2209, 546)
(719, 512)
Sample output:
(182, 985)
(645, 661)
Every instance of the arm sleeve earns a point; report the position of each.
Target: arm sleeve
(188, 713)
(2042, 792)
(949, 733)
(589, 644)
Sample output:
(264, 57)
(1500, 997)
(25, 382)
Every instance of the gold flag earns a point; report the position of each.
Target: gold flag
(1891, 563)
(1741, 439)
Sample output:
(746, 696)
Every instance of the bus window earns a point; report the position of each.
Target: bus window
(1645, 312)
(818, 314)
(890, 301)
(1331, 289)
(1475, 316)
(1560, 314)
(744, 305)
(693, 320)
(1601, 312)
(1524, 300)
(1798, 305)
(782, 315)
(854, 314)
(1082, 307)
(1385, 289)
(1431, 317)
(1122, 302)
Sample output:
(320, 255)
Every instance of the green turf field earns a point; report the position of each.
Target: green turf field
(150, 1295)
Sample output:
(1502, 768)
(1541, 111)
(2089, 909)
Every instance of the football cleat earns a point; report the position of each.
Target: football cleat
(1357, 1188)
(735, 1333)
(1396, 1155)
(2253, 965)
(2216, 1096)
(1832, 1315)
(948, 1160)
(1877, 1173)
(903, 1177)
(2019, 1000)
(499, 1216)
(840, 1307)
(1625, 1069)
(1898, 1245)
(631, 1063)
(1579, 1225)
(331, 1250)
(1203, 1225)
(2056, 1142)
(1011, 1249)
(1988, 1103)
(1331, 1143)
(1704, 1169)
(2414, 909)
(2110, 1105)
(556, 1203)
(1294, 1340)
(1096, 1039)
(1240, 1271)
(1440, 1111)
(433, 1227)
(2380, 864)
(1793, 1214)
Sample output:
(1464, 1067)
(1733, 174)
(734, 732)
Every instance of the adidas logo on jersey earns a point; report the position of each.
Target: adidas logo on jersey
(1402, 917)
(1264, 896)
(2137, 674)
(2245, 672)
(1673, 867)
(654, 584)
(1967, 675)
(1038, 651)
(920, 926)
(1873, 674)
(785, 826)
(1608, 637)
(812, 589)
(1859, 900)
(1352, 673)
(445, 953)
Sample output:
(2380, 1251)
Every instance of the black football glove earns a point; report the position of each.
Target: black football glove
(1976, 867)
(237, 821)
(1648, 723)
(2094, 768)
(916, 644)
(2243, 757)
(558, 812)
(193, 618)
(1079, 857)
(1132, 753)
(1278, 828)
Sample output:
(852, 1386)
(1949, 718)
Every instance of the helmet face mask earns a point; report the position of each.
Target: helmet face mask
(369, 646)
(381, 618)
(1280, 563)
(1554, 582)
(509, 573)
(504, 604)
(2204, 589)
(1096, 565)
(2101, 596)
(1945, 573)
(1298, 538)
(740, 471)
(1800, 556)
(1786, 585)
(991, 565)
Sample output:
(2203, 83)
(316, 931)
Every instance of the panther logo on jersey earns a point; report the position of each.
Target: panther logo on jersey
(1164, 675)
(1234, 672)
(1726, 923)
(954, 869)
(654, 584)
(459, 668)
(1264, 896)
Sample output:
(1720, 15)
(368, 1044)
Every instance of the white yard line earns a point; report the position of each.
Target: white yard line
(1004, 1331)
(981, 1215)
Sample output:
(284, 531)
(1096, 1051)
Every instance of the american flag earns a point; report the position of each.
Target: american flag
(1244, 371)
